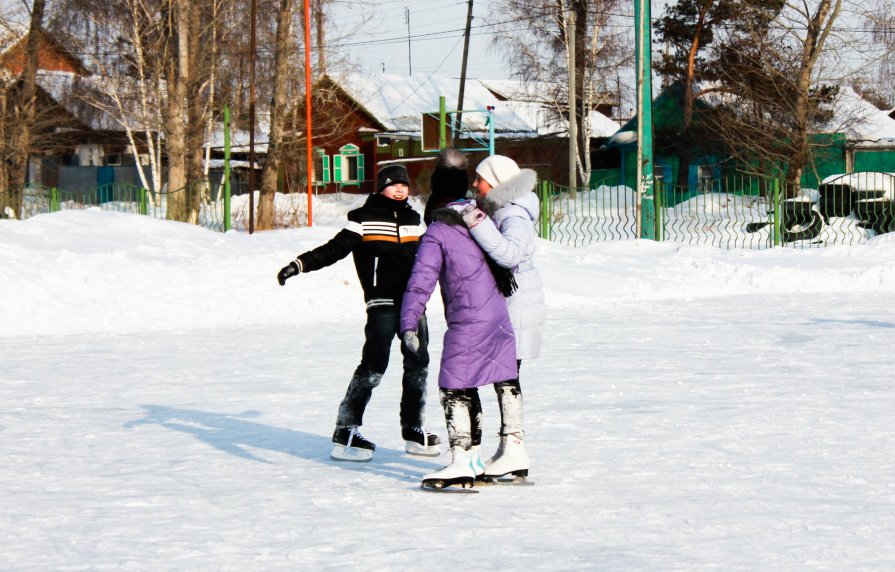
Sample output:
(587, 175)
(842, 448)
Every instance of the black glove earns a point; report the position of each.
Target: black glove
(287, 272)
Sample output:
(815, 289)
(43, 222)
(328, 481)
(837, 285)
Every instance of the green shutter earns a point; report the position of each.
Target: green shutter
(360, 168)
(326, 177)
(337, 168)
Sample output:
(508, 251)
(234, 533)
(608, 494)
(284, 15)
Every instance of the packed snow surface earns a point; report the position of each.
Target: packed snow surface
(167, 406)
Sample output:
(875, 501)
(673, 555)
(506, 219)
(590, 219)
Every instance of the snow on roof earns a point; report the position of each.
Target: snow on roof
(10, 34)
(534, 102)
(398, 102)
(72, 93)
(859, 119)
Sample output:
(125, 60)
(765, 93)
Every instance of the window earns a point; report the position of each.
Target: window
(704, 174)
(321, 173)
(348, 166)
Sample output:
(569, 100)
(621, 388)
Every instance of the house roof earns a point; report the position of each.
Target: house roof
(858, 119)
(52, 54)
(397, 102)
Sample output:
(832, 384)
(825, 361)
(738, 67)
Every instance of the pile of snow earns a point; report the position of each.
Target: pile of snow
(98, 271)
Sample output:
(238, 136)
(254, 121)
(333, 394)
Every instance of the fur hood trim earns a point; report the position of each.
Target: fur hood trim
(515, 188)
(510, 191)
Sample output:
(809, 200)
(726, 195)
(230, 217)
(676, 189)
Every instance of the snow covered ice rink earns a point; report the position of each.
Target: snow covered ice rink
(165, 405)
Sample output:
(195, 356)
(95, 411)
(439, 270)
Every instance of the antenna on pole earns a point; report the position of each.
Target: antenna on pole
(409, 61)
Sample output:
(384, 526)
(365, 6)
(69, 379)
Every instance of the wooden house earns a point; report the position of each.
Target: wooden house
(77, 146)
(361, 122)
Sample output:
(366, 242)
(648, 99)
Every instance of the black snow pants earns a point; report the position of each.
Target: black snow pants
(382, 327)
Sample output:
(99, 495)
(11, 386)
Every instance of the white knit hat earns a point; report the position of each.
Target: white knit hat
(497, 169)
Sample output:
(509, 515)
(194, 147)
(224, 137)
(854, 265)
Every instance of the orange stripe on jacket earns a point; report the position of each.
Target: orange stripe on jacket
(386, 238)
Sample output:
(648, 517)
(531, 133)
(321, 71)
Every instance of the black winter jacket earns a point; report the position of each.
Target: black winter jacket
(383, 236)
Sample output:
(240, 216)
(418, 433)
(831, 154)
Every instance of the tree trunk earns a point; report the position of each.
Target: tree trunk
(21, 110)
(175, 114)
(819, 26)
(683, 166)
(266, 208)
(196, 115)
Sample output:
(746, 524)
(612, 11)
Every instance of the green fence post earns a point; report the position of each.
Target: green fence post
(54, 200)
(658, 206)
(144, 204)
(545, 211)
(778, 215)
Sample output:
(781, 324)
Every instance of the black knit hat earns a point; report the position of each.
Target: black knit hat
(449, 181)
(390, 175)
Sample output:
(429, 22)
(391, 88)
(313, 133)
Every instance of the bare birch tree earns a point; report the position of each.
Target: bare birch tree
(533, 36)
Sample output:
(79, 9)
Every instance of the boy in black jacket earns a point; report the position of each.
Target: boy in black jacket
(383, 236)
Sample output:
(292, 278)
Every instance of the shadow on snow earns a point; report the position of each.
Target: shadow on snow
(235, 434)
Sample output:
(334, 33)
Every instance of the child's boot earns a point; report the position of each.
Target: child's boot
(461, 471)
(511, 457)
(418, 441)
(350, 445)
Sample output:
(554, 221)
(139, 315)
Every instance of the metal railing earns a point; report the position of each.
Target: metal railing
(747, 212)
(190, 203)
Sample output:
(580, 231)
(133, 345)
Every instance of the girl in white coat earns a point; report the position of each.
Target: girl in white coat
(503, 226)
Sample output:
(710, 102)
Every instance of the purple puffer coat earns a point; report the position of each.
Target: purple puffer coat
(479, 345)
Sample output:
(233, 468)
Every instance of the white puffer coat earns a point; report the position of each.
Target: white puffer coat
(509, 239)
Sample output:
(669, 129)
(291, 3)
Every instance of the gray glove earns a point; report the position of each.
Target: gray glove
(472, 215)
(411, 340)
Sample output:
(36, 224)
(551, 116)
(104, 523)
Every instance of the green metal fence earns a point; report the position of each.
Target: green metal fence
(747, 212)
(191, 203)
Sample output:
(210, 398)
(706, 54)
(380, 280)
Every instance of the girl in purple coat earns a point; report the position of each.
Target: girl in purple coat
(479, 345)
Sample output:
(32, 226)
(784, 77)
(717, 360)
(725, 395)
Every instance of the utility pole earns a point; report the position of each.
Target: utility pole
(646, 200)
(252, 50)
(456, 134)
(409, 60)
(573, 120)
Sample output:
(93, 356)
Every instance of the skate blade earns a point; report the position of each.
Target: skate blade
(413, 448)
(350, 454)
(435, 488)
(460, 485)
(519, 481)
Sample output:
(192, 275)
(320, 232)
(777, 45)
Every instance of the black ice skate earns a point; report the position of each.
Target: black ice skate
(350, 445)
(418, 441)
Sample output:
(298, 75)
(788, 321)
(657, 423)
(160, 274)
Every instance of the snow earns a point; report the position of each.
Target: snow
(168, 406)
(398, 102)
(859, 118)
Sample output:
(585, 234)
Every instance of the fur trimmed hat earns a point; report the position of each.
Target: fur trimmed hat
(449, 182)
(497, 169)
(390, 175)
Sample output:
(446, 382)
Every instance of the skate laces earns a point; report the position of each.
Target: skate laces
(352, 434)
